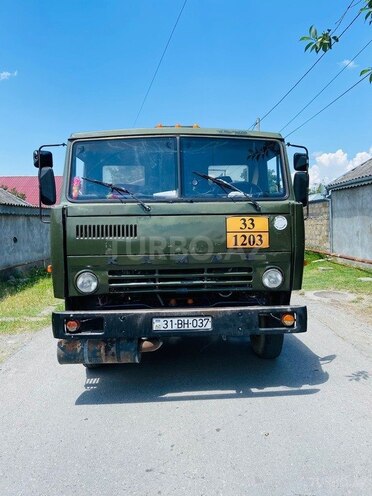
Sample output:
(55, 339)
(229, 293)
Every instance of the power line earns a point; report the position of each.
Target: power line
(350, 23)
(327, 106)
(291, 89)
(339, 22)
(325, 87)
(159, 64)
(304, 75)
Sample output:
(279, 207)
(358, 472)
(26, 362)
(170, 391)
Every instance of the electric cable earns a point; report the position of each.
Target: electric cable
(327, 106)
(159, 64)
(339, 22)
(325, 87)
(304, 75)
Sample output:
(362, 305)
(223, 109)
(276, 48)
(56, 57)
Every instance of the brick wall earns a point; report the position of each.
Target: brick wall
(317, 226)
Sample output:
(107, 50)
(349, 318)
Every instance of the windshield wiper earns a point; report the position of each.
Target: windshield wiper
(225, 185)
(119, 189)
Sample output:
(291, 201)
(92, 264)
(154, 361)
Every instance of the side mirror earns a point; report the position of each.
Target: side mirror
(47, 186)
(301, 162)
(301, 187)
(43, 158)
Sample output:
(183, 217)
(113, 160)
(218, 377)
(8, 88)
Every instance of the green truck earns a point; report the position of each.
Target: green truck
(174, 232)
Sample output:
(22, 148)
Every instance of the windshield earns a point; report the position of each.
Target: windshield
(149, 168)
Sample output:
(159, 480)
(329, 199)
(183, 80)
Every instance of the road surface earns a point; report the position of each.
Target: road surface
(195, 418)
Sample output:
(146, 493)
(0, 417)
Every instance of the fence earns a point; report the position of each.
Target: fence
(23, 238)
(317, 226)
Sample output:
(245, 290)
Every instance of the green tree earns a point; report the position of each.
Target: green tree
(324, 41)
(317, 188)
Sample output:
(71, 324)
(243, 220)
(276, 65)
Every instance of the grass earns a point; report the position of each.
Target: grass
(24, 303)
(323, 274)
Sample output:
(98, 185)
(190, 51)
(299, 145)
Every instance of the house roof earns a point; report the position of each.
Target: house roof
(29, 185)
(359, 176)
(7, 198)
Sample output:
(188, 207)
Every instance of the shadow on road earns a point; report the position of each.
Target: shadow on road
(202, 369)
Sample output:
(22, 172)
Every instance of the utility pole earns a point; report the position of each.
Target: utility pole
(257, 124)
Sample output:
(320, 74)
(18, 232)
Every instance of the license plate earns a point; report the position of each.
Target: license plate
(182, 324)
(247, 232)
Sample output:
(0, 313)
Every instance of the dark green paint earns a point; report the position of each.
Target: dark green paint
(167, 221)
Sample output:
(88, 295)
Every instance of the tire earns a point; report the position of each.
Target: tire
(267, 346)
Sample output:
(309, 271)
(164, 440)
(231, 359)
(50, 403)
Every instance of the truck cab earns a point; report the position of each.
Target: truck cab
(174, 231)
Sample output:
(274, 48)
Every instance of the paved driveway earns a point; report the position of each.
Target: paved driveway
(195, 418)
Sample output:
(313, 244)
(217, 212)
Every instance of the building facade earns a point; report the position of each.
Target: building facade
(351, 213)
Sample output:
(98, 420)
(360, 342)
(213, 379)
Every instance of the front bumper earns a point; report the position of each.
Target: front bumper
(136, 324)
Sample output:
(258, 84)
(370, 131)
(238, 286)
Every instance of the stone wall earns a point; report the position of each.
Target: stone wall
(317, 227)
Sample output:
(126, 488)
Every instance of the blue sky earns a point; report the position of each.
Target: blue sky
(85, 65)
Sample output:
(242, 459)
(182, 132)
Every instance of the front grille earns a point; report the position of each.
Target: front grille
(180, 280)
(106, 231)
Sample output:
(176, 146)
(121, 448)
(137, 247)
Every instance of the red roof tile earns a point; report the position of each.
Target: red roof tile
(29, 186)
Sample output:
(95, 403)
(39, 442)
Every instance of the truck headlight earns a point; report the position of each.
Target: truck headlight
(86, 282)
(272, 278)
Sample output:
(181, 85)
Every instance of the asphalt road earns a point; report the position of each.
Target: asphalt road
(195, 418)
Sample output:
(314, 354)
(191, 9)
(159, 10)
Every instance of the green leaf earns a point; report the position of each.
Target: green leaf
(365, 71)
(367, 7)
(305, 38)
(309, 45)
(313, 32)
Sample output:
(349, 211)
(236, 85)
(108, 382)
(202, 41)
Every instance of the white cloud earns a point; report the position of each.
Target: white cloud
(314, 173)
(350, 64)
(329, 166)
(7, 75)
(359, 158)
(338, 158)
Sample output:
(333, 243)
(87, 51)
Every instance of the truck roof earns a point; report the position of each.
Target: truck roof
(174, 130)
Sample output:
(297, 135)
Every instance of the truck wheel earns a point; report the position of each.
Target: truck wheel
(267, 345)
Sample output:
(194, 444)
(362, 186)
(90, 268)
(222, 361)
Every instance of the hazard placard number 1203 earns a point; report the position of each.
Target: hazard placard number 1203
(243, 240)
